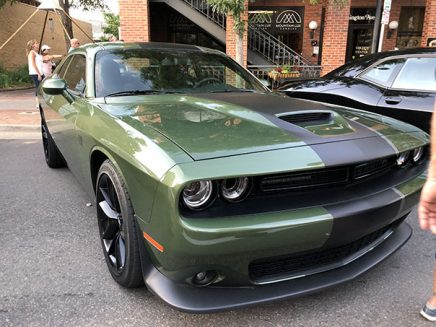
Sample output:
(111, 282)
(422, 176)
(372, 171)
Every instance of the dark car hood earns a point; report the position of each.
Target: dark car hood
(224, 124)
(316, 85)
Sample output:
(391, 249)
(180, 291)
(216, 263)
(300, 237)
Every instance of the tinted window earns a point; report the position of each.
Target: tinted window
(417, 74)
(64, 67)
(75, 74)
(170, 71)
(383, 73)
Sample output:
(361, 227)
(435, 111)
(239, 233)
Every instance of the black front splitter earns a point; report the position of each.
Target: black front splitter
(211, 299)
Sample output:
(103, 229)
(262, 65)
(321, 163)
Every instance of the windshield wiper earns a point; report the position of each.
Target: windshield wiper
(232, 90)
(133, 92)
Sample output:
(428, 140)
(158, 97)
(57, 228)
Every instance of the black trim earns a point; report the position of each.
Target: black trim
(211, 299)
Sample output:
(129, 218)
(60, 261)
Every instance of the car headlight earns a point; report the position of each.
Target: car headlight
(235, 189)
(417, 154)
(198, 195)
(402, 158)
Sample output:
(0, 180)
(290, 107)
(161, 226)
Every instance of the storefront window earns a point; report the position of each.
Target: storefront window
(360, 32)
(410, 27)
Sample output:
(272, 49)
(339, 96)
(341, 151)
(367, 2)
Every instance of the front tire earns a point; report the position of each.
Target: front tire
(117, 227)
(53, 157)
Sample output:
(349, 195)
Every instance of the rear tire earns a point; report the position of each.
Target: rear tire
(53, 157)
(117, 227)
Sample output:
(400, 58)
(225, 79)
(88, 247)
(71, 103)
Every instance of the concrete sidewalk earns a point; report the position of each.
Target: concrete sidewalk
(18, 110)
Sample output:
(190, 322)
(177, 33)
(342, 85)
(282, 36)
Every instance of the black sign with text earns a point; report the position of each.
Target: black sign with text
(277, 19)
(431, 42)
(362, 16)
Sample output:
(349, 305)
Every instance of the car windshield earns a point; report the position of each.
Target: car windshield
(154, 71)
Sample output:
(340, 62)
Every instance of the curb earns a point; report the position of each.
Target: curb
(17, 89)
(15, 128)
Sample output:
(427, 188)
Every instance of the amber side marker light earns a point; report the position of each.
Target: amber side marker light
(153, 242)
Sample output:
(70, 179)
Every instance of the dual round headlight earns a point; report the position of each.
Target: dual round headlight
(415, 155)
(199, 195)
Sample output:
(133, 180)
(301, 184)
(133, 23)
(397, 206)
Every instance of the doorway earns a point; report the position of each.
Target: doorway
(359, 41)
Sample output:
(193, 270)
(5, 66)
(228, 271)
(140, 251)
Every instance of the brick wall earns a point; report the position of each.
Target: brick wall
(335, 36)
(429, 29)
(311, 13)
(134, 20)
(231, 36)
(13, 54)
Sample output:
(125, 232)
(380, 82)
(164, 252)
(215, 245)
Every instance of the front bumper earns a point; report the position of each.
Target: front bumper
(308, 225)
(193, 299)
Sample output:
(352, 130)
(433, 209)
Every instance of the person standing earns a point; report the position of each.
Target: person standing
(427, 213)
(47, 60)
(34, 60)
(74, 43)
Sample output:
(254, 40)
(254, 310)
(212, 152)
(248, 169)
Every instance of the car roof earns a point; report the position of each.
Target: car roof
(93, 48)
(356, 66)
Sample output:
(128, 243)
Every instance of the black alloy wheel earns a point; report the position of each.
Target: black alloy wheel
(117, 227)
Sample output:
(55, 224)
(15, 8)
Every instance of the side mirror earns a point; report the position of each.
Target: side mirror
(54, 86)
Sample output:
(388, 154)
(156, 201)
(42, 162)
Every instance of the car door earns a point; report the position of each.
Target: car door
(380, 77)
(412, 94)
(65, 108)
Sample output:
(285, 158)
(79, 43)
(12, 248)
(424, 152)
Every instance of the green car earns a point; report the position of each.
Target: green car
(217, 193)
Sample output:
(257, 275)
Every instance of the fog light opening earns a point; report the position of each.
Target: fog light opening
(204, 278)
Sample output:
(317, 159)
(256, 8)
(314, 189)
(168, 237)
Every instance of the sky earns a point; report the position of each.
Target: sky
(94, 16)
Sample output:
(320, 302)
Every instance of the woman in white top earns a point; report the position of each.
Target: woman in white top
(34, 60)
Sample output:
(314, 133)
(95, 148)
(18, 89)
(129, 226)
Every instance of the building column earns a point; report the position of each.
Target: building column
(335, 35)
(311, 13)
(231, 36)
(134, 20)
(429, 28)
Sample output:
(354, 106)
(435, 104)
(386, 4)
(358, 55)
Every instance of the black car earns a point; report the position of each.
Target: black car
(400, 84)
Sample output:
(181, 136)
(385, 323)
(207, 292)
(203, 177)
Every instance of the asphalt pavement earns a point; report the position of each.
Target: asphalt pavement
(53, 271)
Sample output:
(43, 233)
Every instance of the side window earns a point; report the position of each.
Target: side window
(384, 73)
(64, 67)
(417, 74)
(75, 74)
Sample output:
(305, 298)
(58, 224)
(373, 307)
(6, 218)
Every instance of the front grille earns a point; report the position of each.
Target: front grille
(372, 167)
(314, 179)
(305, 180)
(290, 265)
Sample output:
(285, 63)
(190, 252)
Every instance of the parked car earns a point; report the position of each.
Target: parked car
(399, 84)
(216, 192)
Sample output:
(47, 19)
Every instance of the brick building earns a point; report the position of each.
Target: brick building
(279, 29)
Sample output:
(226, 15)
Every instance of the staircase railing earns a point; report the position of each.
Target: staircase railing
(273, 49)
(260, 41)
(204, 8)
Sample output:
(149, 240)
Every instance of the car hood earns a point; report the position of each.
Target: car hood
(225, 124)
(316, 85)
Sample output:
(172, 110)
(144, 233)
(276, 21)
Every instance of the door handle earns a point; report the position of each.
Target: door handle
(393, 100)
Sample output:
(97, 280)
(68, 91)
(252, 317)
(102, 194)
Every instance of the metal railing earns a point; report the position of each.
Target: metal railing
(260, 41)
(204, 8)
(273, 49)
